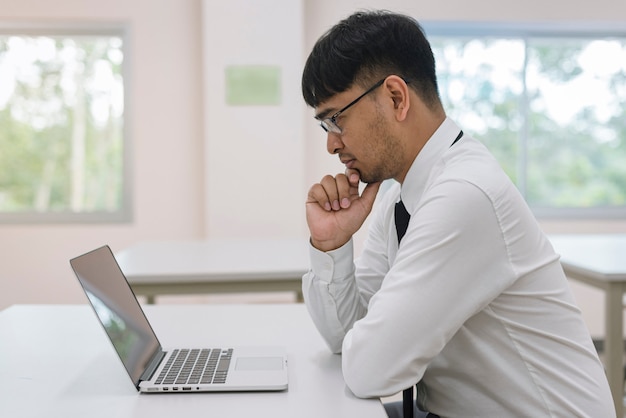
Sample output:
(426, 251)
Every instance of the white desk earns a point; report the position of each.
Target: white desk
(56, 361)
(215, 266)
(600, 261)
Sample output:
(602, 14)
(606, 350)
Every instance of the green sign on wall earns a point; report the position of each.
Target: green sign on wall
(253, 85)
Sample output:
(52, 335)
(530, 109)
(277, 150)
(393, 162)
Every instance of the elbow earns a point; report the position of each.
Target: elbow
(364, 382)
(372, 379)
(334, 341)
(363, 387)
(335, 346)
(361, 378)
(360, 390)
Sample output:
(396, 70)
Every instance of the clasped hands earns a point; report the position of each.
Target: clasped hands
(335, 211)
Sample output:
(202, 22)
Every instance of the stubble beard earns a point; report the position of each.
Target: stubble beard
(388, 152)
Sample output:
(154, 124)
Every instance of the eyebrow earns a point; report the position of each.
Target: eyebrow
(324, 113)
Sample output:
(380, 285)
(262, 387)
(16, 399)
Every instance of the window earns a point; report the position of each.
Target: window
(549, 102)
(62, 138)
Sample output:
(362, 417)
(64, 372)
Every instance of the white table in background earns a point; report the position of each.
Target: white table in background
(215, 266)
(56, 361)
(599, 260)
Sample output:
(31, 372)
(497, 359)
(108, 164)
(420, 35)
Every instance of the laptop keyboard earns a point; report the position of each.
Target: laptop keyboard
(197, 366)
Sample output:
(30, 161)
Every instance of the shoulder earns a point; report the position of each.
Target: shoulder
(470, 163)
(469, 185)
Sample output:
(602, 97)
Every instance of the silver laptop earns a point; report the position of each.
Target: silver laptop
(156, 370)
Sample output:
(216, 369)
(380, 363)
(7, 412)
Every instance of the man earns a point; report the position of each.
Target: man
(470, 303)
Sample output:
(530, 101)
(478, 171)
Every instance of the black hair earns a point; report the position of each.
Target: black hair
(366, 47)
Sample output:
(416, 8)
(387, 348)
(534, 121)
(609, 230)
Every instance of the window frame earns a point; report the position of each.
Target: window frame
(524, 31)
(125, 213)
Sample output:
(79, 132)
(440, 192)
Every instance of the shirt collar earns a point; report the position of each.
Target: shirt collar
(417, 176)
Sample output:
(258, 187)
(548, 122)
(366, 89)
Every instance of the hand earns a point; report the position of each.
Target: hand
(335, 211)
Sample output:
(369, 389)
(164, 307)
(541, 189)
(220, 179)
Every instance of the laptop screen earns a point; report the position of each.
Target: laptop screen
(117, 309)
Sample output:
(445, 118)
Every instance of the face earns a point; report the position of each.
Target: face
(367, 142)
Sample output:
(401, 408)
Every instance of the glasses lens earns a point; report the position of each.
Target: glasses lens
(329, 126)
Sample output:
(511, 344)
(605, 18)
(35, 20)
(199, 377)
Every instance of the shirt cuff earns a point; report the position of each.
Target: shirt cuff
(332, 265)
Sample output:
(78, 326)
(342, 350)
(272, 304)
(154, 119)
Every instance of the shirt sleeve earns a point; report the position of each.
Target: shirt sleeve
(452, 262)
(335, 295)
(331, 295)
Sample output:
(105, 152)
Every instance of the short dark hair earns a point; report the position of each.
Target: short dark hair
(366, 47)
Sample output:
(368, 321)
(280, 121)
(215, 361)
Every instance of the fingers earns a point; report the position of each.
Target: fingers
(333, 193)
(335, 211)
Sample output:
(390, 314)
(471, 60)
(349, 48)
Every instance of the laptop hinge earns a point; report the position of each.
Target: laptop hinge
(153, 365)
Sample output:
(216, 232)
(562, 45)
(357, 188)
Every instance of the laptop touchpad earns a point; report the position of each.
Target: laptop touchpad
(259, 363)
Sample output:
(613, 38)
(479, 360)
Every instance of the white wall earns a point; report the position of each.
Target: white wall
(255, 154)
(201, 168)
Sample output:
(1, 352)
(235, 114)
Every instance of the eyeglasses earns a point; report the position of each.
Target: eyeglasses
(330, 124)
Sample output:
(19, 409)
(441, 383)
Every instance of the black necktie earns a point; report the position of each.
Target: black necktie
(402, 222)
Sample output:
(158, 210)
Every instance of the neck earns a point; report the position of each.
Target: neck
(425, 124)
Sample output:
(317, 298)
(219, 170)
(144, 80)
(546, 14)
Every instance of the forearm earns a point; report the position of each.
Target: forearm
(331, 294)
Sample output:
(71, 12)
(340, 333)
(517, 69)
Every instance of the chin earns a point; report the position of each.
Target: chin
(376, 177)
(371, 179)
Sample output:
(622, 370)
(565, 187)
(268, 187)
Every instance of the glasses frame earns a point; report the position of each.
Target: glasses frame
(330, 124)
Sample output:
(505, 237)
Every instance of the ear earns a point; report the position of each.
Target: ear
(398, 91)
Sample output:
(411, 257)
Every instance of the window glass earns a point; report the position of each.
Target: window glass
(62, 144)
(551, 108)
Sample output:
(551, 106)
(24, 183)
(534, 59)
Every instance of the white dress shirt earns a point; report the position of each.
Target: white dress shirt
(474, 303)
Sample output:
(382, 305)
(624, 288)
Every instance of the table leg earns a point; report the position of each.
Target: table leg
(614, 345)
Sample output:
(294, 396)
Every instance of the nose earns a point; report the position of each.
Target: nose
(333, 143)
